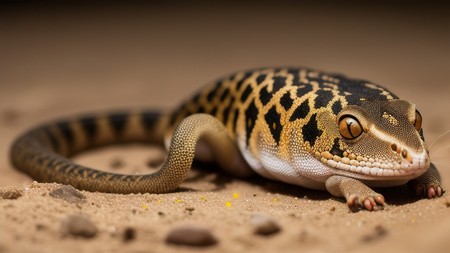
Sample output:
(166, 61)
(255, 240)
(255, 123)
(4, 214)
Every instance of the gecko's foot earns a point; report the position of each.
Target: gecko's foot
(431, 190)
(372, 202)
(357, 194)
(428, 185)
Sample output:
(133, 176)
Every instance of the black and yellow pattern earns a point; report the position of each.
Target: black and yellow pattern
(276, 100)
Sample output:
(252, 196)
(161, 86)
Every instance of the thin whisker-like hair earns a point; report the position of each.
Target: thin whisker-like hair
(439, 150)
(440, 137)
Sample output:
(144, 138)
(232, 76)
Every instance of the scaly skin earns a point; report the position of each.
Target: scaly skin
(300, 126)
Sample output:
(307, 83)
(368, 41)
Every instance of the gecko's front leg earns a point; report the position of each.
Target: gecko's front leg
(355, 192)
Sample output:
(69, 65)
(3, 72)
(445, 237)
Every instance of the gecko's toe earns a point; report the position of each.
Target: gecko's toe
(369, 204)
(431, 192)
(440, 191)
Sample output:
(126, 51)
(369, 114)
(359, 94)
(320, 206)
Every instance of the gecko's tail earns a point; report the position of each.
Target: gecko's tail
(42, 152)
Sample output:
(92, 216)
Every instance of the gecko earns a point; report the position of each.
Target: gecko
(301, 126)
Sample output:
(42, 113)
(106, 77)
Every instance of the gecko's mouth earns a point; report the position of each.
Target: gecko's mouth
(416, 166)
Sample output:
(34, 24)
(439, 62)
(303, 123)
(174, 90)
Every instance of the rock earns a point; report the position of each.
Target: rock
(129, 234)
(191, 235)
(40, 227)
(68, 193)
(264, 225)
(378, 233)
(78, 226)
(11, 194)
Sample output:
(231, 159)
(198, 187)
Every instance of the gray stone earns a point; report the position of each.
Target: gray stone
(264, 225)
(11, 194)
(78, 226)
(68, 193)
(191, 235)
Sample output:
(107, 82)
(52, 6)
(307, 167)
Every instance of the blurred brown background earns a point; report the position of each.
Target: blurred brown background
(77, 56)
(59, 58)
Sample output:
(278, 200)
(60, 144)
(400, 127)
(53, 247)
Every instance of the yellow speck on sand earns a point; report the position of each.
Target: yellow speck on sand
(235, 195)
(144, 206)
(159, 202)
(179, 200)
(275, 200)
(228, 204)
(203, 198)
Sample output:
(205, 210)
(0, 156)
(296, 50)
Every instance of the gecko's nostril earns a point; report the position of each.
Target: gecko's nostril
(404, 153)
(394, 147)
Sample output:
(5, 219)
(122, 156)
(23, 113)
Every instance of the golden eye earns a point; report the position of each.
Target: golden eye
(418, 121)
(350, 127)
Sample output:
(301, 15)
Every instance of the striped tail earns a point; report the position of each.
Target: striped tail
(42, 152)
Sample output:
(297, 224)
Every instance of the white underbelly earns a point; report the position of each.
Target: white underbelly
(303, 169)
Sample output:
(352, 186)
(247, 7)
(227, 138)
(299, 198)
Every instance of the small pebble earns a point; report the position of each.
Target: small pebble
(68, 193)
(189, 209)
(40, 226)
(191, 236)
(447, 204)
(129, 234)
(378, 233)
(11, 194)
(264, 225)
(78, 226)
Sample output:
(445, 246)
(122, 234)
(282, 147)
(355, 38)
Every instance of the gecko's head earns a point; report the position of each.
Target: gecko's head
(379, 140)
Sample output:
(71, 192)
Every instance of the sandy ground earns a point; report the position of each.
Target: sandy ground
(72, 59)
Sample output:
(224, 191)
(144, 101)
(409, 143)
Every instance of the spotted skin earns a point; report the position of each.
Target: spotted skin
(282, 123)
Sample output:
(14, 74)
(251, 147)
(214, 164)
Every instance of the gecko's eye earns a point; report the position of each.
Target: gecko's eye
(418, 121)
(349, 127)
